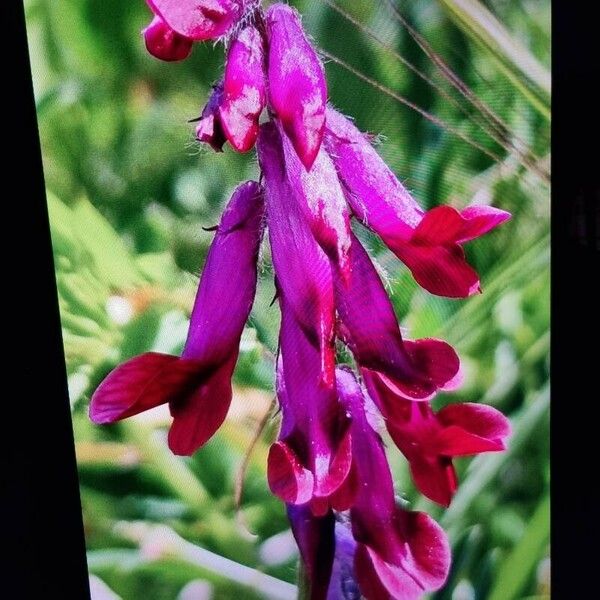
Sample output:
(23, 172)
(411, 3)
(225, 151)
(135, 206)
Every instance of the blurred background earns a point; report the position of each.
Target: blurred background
(458, 93)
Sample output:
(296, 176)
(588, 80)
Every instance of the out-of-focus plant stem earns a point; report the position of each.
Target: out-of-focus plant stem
(519, 65)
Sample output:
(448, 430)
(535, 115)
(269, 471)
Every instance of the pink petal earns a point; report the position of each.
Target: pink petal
(198, 19)
(288, 478)
(339, 468)
(422, 566)
(142, 383)
(478, 220)
(471, 428)
(297, 87)
(164, 43)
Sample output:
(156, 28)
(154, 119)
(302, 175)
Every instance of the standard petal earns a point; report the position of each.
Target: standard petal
(288, 478)
(478, 220)
(142, 383)
(244, 94)
(164, 43)
(297, 87)
(198, 19)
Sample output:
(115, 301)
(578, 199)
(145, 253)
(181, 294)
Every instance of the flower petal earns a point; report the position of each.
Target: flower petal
(470, 428)
(164, 43)
(321, 199)
(244, 94)
(422, 566)
(316, 542)
(198, 19)
(297, 87)
(428, 243)
(288, 478)
(142, 383)
(478, 220)
(228, 282)
(302, 269)
(414, 369)
(198, 415)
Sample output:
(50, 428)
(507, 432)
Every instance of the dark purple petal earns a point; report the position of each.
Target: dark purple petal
(209, 130)
(198, 19)
(244, 94)
(297, 87)
(414, 369)
(315, 539)
(302, 269)
(164, 43)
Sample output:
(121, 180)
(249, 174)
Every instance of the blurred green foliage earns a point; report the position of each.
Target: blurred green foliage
(129, 191)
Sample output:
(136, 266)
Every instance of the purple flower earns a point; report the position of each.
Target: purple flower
(429, 243)
(197, 385)
(297, 87)
(399, 554)
(328, 464)
(430, 440)
(236, 103)
(164, 43)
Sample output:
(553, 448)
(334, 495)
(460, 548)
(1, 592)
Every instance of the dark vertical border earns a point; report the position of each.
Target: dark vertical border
(43, 516)
(575, 304)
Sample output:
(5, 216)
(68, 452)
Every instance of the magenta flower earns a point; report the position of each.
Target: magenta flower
(317, 172)
(399, 554)
(236, 103)
(429, 243)
(430, 440)
(297, 88)
(197, 385)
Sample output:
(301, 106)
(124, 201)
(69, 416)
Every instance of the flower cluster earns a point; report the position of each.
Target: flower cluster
(319, 172)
